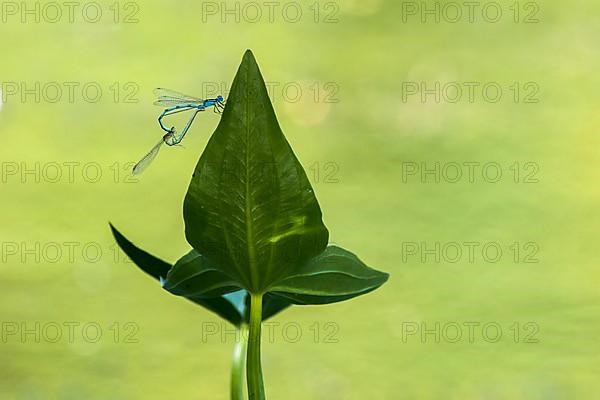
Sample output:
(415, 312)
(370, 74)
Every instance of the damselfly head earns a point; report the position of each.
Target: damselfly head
(219, 105)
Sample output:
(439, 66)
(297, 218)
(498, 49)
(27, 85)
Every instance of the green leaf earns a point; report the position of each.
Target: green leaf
(153, 266)
(335, 275)
(231, 307)
(272, 305)
(250, 208)
(196, 276)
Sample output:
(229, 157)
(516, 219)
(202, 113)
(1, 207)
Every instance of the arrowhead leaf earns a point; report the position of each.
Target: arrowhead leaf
(259, 242)
(334, 275)
(250, 208)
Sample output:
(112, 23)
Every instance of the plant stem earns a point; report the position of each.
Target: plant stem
(256, 390)
(239, 364)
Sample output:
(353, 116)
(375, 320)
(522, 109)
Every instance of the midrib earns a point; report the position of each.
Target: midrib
(248, 200)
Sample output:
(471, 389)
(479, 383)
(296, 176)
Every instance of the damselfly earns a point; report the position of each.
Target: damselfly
(175, 102)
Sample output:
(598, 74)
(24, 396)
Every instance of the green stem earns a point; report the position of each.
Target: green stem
(239, 363)
(256, 390)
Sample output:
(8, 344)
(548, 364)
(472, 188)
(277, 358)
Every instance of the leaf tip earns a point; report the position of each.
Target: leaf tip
(116, 234)
(384, 277)
(249, 60)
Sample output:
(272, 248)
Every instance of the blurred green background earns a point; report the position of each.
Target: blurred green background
(356, 152)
